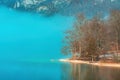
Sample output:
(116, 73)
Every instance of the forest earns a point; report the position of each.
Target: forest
(95, 38)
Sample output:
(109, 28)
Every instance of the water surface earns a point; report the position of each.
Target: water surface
(31, 36)
(29, 41)
(56, 71)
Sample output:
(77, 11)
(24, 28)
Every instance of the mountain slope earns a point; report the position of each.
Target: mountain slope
(65, 7)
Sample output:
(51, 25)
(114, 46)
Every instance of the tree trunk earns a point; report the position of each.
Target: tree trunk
(92, 59)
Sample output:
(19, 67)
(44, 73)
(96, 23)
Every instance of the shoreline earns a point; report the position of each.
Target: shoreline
(99, 64)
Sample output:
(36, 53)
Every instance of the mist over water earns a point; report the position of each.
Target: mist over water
(29, 36)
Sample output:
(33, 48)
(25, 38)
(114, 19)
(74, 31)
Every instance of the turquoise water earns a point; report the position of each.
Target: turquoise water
(29, 36)
(29, 41)
(55, 71)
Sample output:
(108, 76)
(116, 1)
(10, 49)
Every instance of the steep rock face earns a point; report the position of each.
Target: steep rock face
(65, 7)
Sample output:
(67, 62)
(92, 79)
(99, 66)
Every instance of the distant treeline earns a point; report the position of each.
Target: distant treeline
(93, 37)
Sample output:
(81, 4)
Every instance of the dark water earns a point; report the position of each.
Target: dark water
(56, 71)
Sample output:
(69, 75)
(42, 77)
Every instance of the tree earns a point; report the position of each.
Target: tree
(72, 43)
(87, 37)
(94, 31)
(114, 22)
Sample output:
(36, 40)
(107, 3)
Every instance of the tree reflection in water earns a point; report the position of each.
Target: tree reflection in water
(88, 72)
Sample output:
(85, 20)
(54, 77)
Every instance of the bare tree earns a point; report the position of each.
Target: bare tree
(72, 37)
(86, 37)
(115, 24)
(95, 30)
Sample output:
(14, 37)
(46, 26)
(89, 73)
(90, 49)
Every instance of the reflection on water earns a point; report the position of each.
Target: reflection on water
(88, 72)
(27, 70)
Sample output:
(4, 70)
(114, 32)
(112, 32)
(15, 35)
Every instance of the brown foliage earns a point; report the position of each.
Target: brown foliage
(93, 37)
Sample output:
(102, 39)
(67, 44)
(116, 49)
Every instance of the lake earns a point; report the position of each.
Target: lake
(29, 41)
(31, 36)
(56, 71)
